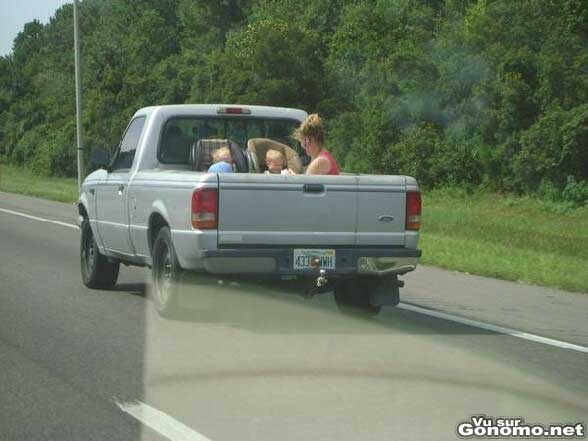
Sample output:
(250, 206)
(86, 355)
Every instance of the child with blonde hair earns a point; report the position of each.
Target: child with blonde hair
(222, 161)
(275, 161)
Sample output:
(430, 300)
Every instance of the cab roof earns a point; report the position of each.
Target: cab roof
(216, 110)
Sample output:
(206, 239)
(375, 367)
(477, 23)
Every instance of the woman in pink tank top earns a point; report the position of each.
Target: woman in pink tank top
(333, 167)
(311, 137)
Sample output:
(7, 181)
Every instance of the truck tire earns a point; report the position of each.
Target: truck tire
(166, 272)
(97, 271)
(352, 296)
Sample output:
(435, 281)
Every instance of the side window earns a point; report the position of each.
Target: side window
(128, 145)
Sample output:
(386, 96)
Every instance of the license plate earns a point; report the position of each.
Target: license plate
(313, 258)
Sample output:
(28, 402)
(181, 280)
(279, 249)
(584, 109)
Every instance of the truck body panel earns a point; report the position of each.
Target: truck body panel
(263, 220)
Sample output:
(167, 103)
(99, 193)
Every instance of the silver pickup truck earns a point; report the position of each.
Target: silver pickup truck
(154, 204)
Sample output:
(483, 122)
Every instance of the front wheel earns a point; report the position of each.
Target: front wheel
(353, 296)
(97, 271)
(166, 272)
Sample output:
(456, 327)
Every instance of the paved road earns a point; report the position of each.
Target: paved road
(253, 361)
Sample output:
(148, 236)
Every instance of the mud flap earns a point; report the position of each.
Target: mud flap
(385, 291)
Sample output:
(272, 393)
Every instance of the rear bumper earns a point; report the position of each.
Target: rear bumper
(368, 261)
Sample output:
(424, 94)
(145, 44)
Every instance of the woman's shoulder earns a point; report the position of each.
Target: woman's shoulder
(333, 168)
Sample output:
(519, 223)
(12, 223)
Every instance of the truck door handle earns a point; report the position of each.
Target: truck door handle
(386, 218)
(313, 188)
(121, 187)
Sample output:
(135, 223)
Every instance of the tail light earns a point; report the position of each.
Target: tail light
(205, 209)
(413, 210)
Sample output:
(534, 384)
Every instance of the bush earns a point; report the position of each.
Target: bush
(575, 142)
(413, 155)
(426, 154)
(56, 155)
(548, 191)
(576, 192)
(363, 139)
(272, 62)
(554, 148)
(455, 162)
(28, 144)
(340, 134)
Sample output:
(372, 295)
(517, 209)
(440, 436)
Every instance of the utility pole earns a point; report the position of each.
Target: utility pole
(78, 96)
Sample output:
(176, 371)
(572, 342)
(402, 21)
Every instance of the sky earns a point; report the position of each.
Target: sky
(15, 13)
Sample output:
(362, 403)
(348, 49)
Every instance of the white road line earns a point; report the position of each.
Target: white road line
(161, 422)
(41, 219)
(493, 328)
(408, 307)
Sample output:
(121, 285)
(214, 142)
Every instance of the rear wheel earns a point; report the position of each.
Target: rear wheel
(353, 296)
(166, 273)
(97, 271)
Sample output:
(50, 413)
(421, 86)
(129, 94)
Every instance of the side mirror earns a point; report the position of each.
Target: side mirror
(100, 158)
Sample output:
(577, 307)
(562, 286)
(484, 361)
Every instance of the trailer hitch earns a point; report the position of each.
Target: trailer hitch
(322, 280)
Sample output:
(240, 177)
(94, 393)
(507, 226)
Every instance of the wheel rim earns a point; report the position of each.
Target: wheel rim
(164, 274)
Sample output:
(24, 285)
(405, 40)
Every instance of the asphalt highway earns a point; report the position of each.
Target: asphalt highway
(250, 360)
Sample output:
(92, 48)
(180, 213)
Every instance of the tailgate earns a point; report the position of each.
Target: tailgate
(381, 210)
(257, 209)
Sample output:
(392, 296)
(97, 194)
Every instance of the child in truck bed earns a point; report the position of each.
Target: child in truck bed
(274, 160)
(222, 161)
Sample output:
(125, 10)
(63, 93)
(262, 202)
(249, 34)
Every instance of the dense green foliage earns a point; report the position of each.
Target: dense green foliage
(490, 93)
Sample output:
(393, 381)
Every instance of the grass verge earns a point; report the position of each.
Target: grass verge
(511, 238)
(20, 180)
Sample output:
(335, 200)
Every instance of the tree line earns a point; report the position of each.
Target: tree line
(490, 93)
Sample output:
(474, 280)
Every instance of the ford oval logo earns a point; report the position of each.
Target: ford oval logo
(386, 218)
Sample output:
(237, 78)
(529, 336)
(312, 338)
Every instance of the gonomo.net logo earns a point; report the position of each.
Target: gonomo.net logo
(482, 426)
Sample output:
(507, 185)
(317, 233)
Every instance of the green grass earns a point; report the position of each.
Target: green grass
(19, 180)
(511, 238)
(520, 239)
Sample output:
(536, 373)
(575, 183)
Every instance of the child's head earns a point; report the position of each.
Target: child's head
(222, 154)
(274, 159)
